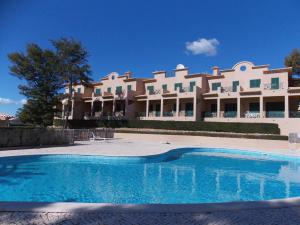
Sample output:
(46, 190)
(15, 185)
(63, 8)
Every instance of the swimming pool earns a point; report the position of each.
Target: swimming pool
(179, 176)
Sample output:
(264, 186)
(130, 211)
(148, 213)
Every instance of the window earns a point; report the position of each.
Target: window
(118, 89)
(213, 107)
(109, 90)
(150, 90)
(275, 83)
(192, 85)
(215, 86)
(243, 68)
(112, 77)
(254, 106)
(255, 83)
(98, 91)
(129, 88)
(178, 86)
(165, 87)
(235, 84)
(78, 90)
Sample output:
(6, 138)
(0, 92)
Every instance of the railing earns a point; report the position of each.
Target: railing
(270, 86)
(154, 114)
(210, 114)
(186, 89)
(168, 114)
(252, 114)
(97, 94)
(189, 113)
(154, 92)
(230, 114)
(294, 114)
(227, 89)
(275, 114)
(140, 114)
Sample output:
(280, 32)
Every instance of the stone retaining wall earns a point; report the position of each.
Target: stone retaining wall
(17, 137)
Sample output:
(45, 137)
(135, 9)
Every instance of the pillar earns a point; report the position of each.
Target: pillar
(195, 108)
(238, 107)
(72, 109)
(286, 106)
(177, 107)
(162, 107)
(114, 106)
(92, 107)
(261, 107)
(63, 112)
(218, 107)
(147, 108)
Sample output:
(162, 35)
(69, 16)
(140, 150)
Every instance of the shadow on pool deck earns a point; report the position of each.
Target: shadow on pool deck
(143, 214)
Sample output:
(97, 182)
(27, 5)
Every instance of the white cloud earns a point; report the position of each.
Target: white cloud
(203, 46)
(7, 101)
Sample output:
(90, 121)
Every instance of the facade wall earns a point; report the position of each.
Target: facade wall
(245, 93)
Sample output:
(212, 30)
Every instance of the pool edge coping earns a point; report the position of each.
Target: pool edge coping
(71, 207)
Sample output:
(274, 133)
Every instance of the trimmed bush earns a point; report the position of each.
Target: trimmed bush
(262, 128)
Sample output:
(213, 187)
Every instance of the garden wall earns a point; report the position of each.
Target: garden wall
(16, 137)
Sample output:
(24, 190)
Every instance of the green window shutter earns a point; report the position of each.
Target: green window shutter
(178, 86)
(98, 91)
(275, 83)
(235, 84)
(164, 87)
(109, 90)
(150, 89)
(255, 83)
(192, 85)
(118, 89)
(129, 88)
(215, 86)
(79, 90)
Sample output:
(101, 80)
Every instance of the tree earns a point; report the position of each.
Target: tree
(293, 60)
(38, 68)
(73, 65)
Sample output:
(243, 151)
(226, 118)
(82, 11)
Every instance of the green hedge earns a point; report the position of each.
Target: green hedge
(262, 128)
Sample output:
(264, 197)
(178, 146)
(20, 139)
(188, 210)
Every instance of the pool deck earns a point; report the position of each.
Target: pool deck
(285, 211)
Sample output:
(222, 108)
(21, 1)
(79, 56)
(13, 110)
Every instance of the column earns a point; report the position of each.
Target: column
(177, 107)
(218, 107)
(147, 108)
(195, 108)
(238, 107)
(286, 106)
(92, 107)
(261, 107)
(63, 112)
(162, 107)
(114, 107)
(72, 109)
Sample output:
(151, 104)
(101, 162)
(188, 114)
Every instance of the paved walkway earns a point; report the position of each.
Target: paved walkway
(145, 144)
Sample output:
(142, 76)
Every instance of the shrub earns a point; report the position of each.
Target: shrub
(262, 128)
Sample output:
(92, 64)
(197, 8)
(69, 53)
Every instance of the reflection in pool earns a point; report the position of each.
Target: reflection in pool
(180, 176)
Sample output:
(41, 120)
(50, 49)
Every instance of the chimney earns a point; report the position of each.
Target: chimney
(128, 74)
(216, 71)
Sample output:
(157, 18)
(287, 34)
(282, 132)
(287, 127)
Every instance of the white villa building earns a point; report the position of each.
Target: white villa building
(244, 93)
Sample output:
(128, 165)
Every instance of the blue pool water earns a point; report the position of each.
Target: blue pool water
(179, 176)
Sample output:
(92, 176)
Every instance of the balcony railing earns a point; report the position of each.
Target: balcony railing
(189, 113)
(230, 114)
(270, 86)
(251, 114)
(294, 114)
(275, 114)
(154, 92)
(227, 89)
(168, 114)
(210, 114)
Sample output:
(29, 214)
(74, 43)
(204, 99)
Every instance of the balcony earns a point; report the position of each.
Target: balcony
(294, 114)
(275, 114)
(168, 114)
(270, 86)
(189, 113)
(251, 114)
(230, 114)
(210, 114)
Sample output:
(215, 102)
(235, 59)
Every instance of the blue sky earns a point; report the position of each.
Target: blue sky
(144, 36)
